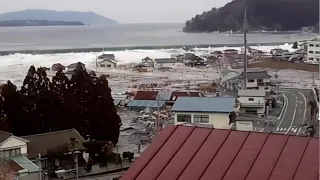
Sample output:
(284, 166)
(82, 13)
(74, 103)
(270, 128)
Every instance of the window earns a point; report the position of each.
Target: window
(10, 152)
(102, 65)
(201, 118)
(310, 58)
(311, 52)
(317, 45)
(260, 80)
(311, 45)
(317, 52)
(251, 80)
(251, 99)
(318, 59)
(184, 118)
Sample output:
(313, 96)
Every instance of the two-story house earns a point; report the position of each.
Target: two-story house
(170, 63)
(258, 80)
(252, 101)
(15, 150)
(204, 110)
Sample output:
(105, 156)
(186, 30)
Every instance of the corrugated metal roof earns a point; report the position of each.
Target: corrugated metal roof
(146, 95)
(251, 93)
(204, 104)
(145, 103)
(25, 163)
(257, 75)
(190, 153)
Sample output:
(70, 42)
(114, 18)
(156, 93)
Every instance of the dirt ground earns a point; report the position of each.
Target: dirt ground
(284, 65)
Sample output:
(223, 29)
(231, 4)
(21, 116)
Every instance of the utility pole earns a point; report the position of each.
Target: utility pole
(77, 169)
(245, 29)
(189, 87)
(40, 168)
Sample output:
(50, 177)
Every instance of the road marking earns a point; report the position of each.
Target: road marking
(305, 109)
(281, 129)
(285, 110)
(277, 129)
(261, 130)
(294, 114)
(284, 129)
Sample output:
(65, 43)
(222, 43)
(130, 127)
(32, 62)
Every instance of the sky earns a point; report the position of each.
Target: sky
(124, 11)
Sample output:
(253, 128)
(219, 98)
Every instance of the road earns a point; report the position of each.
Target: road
(296, 112)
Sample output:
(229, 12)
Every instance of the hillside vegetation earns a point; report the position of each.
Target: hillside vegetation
(89, 18)
(282, 15)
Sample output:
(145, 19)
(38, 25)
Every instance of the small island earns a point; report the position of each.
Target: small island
(17, 23)
(266, 15)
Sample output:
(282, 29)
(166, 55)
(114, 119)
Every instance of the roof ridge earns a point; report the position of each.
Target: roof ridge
(53, 132)
(4, 132)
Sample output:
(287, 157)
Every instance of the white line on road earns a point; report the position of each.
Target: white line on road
(285, 110)
(277, 129)
(294, 114)
(305, 110)
(284, 129)
(281, 129)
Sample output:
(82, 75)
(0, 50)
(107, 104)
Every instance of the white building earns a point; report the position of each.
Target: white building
(108, 63)
(167, 63)
(259, 80)
(252, 101)
(204, 110)
(312, 49)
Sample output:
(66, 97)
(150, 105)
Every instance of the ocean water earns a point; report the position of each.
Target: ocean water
(129, 42)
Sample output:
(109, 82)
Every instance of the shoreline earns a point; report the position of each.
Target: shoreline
(99, 49)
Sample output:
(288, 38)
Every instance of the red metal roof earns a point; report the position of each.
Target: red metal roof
(146, 95)
(191, 153)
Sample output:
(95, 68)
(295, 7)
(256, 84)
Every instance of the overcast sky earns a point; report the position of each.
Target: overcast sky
(125, 11)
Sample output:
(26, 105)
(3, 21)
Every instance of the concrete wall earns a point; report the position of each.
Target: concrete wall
(30, 176)
(218, 120)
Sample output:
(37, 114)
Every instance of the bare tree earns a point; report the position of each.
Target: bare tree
(5, 172)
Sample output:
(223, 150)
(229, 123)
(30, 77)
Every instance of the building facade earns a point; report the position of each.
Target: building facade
(204, 110)
(252, 101)
(312, 49)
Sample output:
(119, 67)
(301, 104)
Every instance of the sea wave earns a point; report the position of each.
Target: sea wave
(99, 49)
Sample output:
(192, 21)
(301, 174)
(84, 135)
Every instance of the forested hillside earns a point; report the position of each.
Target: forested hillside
(281, 15)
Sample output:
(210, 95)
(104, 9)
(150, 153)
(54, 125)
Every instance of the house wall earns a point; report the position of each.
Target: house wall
(218, 120)
(313, 52)
(106, 64)
(254, 84)
(257, 104)
(13, 143)
(168, 65)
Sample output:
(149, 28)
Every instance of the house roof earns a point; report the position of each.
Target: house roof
(252, 93)
(189, 153)
(108, 60)
(146, 103)
(176, 94)
(204, 104)
(257, 75)
(147, 58)
(103, 56)
(41, 143)
(4, 136)
(146, 95)
(165, 60)
(25, 163)
(164, 95)
(74, 65)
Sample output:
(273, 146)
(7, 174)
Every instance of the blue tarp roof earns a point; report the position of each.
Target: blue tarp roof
(146, 103)
(204, 104)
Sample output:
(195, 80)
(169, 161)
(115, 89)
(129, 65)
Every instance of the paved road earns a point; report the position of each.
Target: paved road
(296, 112)
(103, 177)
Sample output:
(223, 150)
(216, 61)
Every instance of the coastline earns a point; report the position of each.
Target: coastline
(99, 49)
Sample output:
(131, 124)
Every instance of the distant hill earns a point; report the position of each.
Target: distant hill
(88, 18)
(282, 15)
(16, 23)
